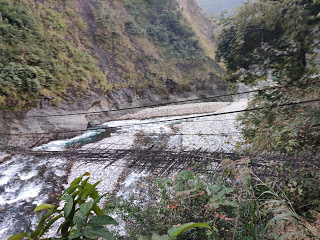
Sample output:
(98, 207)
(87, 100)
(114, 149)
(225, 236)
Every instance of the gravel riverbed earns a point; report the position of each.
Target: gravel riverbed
(169, 127)
(177, 110)
(219, 134)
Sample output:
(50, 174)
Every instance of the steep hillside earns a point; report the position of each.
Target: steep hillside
(66, 50)
(201, 24)
(68, 56)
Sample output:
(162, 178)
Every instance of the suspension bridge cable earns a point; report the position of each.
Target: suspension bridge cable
(163, 104)
(173, 119)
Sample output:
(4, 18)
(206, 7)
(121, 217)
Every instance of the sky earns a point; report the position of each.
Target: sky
(216, 7)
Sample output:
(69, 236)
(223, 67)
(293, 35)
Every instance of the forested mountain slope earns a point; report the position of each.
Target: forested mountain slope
(69, 56)
(63, 51)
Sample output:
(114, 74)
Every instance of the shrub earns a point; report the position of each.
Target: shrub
(235, 203)
(83, 219)
(186, 198)
(34, 56)
(294, 131)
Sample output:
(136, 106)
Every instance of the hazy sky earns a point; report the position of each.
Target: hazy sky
(218, 6)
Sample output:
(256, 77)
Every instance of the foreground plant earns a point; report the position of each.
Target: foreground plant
(187, 198)
(235, 203)
(283, 213)
(174, 232)
(83, 219)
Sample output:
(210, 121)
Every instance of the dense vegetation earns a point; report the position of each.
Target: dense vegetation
(35, 58)
(164, 24)
(265, 41)
(69, 49)
(234, 203)
(81, 215)
(277, 41)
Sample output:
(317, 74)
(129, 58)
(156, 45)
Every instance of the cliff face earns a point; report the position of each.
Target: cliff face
(95, 55)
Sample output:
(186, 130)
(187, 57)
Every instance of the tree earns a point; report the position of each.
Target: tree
(269, 37)
(277, 40)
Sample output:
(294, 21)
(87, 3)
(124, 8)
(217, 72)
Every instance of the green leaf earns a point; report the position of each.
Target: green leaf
(188, 226)
(70, 190)
(43, 206)
(172, 230)
(41, 223)
(64, 227)
(68, 207)
(215, 188)
(224, 192)
(75, 234)
(52, 221)
(78, 219)
(215, 205)
(85, 182)
(95, 208)
(74, 184)
(92, 232)
(94, 194)
(81, 214)
(76, 181)
(157, 237)
(88, 189)
(280, 217)
(18, 236)
(267, 192)
(65, 197)
(142, 238)
(102, 220)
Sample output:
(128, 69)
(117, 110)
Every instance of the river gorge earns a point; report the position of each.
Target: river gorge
(26, 181)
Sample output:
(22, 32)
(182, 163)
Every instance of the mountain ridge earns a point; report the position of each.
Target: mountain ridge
(101, 55)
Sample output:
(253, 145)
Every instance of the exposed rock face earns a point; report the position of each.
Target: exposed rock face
(27, 128)
(38, 125)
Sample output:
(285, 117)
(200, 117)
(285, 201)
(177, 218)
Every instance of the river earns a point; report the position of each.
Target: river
(27, 181)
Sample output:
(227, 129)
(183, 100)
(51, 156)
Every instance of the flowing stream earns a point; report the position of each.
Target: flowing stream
(26, 181)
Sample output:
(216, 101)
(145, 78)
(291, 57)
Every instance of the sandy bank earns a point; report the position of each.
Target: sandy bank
(177, 110)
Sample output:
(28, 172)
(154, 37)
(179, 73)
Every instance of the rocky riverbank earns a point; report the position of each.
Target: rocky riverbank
(45, 176)
(176, 110)
(141, 134)
(46, 122)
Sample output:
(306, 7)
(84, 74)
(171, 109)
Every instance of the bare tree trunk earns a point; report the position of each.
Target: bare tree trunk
(302, 55)
(0, 18)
